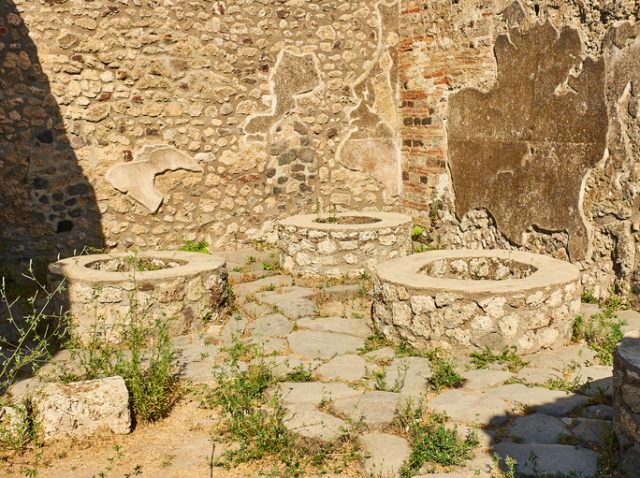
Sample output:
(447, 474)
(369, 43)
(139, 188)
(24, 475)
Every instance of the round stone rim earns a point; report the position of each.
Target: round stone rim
(385, 220)
(405, 271)
(76, 268)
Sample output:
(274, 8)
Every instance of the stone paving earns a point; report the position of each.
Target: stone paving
(515, 414)
(324, 330)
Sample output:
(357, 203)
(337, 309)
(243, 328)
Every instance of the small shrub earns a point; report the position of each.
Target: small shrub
(33, 330)
(17, 427)
(267, 266)
(444, 374)
(417, 232)
(508, 357)
(432, 441)
(192, 246)
(298, 374)
(601, 333)
(587, 297)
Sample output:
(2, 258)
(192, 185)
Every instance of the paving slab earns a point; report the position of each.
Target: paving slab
(632, 319)
(357, 327)
(316, 344)
(309, 422)
(542, 400)
(373, 408)
(256, 310)
(234, 328)
(384, 454)
(483, 379)
(598, 380)
(409, 376)
(538, 428)
(286, 293)
(349, 367)
(471, 407)
(539, 376)
(385, 354)
(269, 345)
(248, 288)
(297, 308)
(314, 393)
(282, 365)
(589, 430)
(600, 412)
(563, 357)
(271, 325)
(538, 459)
(587, 310)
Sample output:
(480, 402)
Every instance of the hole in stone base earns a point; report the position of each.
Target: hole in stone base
(478, 268)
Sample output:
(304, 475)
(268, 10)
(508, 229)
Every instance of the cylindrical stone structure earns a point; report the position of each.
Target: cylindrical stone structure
(342, 244)
(472, 299)
(104, 292)
(626, 402)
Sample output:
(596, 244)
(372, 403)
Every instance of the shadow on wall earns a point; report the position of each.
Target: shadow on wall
(47, 205)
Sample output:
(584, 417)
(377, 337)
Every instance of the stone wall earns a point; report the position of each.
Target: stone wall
(520, 129)
(146, 123)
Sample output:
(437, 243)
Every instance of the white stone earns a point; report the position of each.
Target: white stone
(81, 409)
(422, 303)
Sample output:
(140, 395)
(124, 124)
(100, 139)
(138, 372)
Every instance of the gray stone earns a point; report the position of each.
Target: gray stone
(589, 430)
(309, 422)
(601, 412)
(471, 407)
(483, 379)
(384, 454)
(268, 345)
(256, 310)
(632, 319)
(542, 400)
(598, 380)
(538, 376)
(537, 459)
(344, 367)
(409, 376)
(297, 308)
(272, 325)
(248, 288)
(357, 327)
(385, 354)
(563, 357)
(233, 329)
(538, 428)
(587, 310)
(373, 408)
(80, 409)
(325, 345)
(196, 361)
(313, 393)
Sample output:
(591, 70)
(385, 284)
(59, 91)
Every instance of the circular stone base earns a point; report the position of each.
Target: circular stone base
(476, 299)
(626, 400)
(103, 292)
(342, 244)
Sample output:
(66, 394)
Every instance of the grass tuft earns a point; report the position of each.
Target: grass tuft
(508, 357)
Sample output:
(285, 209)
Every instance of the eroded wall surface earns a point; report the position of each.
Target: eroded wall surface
(520, 129)
(199, 120)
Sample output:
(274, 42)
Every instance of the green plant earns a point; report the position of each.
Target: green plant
(601, 333)
(266, 266)
(432, 441)
(587, 297)
(609, 460)
(17, 427)
(192, 246)
(444, 374)
(250, 260)
(508, 357)
(417, 232)
(33, 329)
(298, 374)
(141, 264)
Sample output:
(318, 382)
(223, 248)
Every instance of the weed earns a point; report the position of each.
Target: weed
(587, 297)
(251, 260)
(609, 460)
(565, 385)
(444, 374)
(417, 232)
(508, 357)
(17, 427)
(298, 374)
(237, 269)
(191, 246)
(33, 329)
(230, 300)
(271, 287)
(141, 264)
(432, 441)
(601, 333)
(266, 266)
